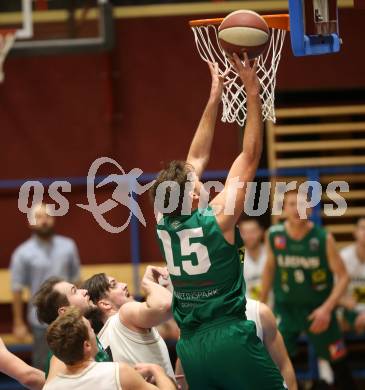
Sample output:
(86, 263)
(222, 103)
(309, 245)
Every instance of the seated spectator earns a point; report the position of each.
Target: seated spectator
(354, 301)
(73, 341)
(252, 234)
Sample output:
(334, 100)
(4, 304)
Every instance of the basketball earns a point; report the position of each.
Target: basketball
(243, 31)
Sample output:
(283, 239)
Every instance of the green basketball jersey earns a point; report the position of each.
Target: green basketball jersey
(302, 273)
(206, 271)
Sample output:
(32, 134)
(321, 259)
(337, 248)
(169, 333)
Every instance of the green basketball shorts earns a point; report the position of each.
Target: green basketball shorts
(227, 356)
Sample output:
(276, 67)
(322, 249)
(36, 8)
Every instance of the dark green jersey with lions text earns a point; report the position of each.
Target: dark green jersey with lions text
(302, 274)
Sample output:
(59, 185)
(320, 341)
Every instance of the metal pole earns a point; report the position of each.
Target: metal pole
(313, 175)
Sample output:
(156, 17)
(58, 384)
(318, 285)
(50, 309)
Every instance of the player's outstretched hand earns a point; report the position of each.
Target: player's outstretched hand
(148, 371)
(218, 81)
(320, 318)
(247, 73)
(154, 274)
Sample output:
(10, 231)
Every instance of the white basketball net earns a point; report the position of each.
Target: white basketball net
(6, 42)
(234, 95)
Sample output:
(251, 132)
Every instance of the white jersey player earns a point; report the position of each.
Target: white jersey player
(129, 333)
(254, 256)
(72, 340)
(354, 260)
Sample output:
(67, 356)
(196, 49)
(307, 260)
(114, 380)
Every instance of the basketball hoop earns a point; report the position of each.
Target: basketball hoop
(7, 38)
(234, 95)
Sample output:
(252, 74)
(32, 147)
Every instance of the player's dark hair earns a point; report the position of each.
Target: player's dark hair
(95, 316)
(97, 286)
(47, 301)
(176, 171)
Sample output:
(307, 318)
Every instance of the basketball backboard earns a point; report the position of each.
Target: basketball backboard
(58, 26)
(314, 27)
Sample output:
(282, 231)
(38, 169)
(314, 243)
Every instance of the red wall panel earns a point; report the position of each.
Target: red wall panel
(51, 108)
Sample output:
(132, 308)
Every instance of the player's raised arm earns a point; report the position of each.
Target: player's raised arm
(269, 272)
(244, 167)
(157, 307)
(11, 365)
(274, 344)
(199, 151)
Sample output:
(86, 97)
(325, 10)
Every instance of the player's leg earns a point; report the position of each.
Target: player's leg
(290, 324)
(330, 345)
(229, 357)
(252, 366)
(192, 355)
